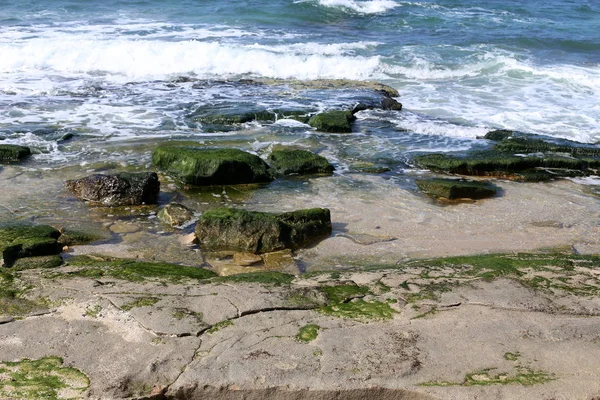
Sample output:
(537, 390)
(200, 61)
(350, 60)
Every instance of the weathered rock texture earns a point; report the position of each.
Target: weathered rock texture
(175, 214)
(508, 326)
(117, 190)
(235, 230)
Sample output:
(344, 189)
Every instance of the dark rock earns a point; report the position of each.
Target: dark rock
(12, 153)
(457, 188)
(20, 241)
(361, 107)
(199, 166)
(175, 214)
(333, 121)
(498, 135)
(70, 237)
(235, 230)
(301, 162)
(236, 118)
(117, 190)
(391, 104)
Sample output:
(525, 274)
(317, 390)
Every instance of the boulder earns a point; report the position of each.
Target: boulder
(200, 166)
(332, 121)
(391, 104)
(175, 214)
(117, 190)
(227, 229)
(12, 153)
(20, 241)
(453, 189)
(536, 145)
(298, 162)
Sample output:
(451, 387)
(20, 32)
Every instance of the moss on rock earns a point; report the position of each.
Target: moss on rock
(52, 261)
(132, 270)
(19, 241)
(228, 229)
(200, 166)
(456, 189)
(298, 162)
(333, 121)
(13, 153)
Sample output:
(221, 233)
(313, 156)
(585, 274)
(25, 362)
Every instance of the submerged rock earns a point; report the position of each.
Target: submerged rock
(535, 145)
(457, 188)
(333, 121)
(175, 214)
(227, 229)
(12, 153)
(117, 190)
(199, 166)
(300, 162)
(498, 135)
(20, 241)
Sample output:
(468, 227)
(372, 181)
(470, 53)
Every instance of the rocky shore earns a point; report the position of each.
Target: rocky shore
(225, 273)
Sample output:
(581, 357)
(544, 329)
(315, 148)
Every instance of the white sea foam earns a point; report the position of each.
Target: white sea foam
(363, 7)
(124, 60)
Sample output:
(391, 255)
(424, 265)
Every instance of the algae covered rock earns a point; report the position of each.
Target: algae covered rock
(457, 188)
(20, 241)
(536, 145)
(333, 121)
(175, 214)
(12, 153)
(498, 135)
(227, 229)
(200, 166)
(300, 162)
(117, 190)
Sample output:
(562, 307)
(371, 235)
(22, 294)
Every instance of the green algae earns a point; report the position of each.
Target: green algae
(524, 376)
(19, 241)
(344, 293)
(219, 325)
(308, 333)
(140, 302)
(265, 278)
(332, 121)
(131, 270)
(512, 356)
(52, 261)
(360, 309)
(13, 153)
(298, 162)
(45, 378)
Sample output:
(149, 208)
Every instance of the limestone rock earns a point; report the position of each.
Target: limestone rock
(301, 162)
(200, 166)
(226, 229)
(117, 190)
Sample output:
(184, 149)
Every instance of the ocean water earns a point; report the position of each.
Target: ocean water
(113, 73)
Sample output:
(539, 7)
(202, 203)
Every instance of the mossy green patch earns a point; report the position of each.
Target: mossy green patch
(220, 325)
(140, 302)
(72, 237)
(181, 313)
(51, 261)
(332, 121)
(131, 270)
(94, 311)
(343, 293)
(12, 302)
(308, 333)
(45, 378)
(298, 162)
(523, 376)
(512, 356)
(265, 278)
(360, 309)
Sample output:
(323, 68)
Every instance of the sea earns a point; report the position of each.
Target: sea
(112, 72)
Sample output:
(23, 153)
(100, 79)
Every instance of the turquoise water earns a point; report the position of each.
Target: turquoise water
(103, 70)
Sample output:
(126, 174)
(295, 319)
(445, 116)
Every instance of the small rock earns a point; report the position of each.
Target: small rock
(12, 153)
(333, 121)
(188, 240)
(298, 162)
(391, 104)
(279, 260)
(457, 188)
(117, 190)
(175, 214)
(245, 259)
